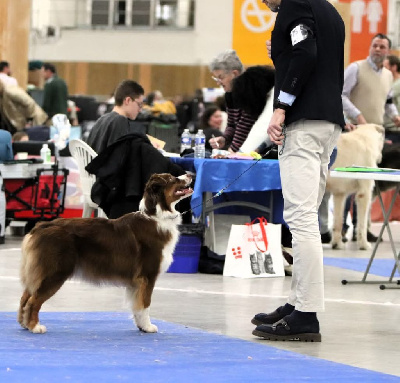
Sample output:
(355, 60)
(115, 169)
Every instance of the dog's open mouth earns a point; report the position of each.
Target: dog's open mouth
(183, 191)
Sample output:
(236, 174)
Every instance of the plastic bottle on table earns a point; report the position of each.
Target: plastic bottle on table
(186, 140)
(45, 154)
(200, 145)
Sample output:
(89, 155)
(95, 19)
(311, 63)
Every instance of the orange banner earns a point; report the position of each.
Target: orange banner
(368, 17)
(252, 26)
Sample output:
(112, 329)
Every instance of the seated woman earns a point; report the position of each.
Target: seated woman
(210, 122)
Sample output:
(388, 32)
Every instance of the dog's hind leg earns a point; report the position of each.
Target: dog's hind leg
(338, 207)
(47, 289)
(24, 299)
(363, 200)
(141, 297)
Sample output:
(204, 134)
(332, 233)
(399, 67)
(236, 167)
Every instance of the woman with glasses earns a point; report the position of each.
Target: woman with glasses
(225, 68)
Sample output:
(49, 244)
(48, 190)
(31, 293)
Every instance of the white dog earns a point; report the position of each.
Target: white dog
(361, 147)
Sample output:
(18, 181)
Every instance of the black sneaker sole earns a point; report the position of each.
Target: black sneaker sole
(306, 337)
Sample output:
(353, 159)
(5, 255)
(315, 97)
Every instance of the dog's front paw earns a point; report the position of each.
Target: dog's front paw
(149, 328)
(39, 329)
(364, 245)
(338, 245)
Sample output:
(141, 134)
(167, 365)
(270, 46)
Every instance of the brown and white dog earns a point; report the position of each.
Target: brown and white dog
(361, 147)
(130, 251)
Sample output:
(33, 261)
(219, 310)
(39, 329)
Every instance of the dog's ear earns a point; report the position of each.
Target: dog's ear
(155, 183)
(152, 191)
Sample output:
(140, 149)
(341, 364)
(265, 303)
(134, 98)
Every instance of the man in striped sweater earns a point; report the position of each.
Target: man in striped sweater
(225, 68)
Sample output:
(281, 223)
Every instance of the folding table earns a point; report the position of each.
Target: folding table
(377, 174)
(212, 175)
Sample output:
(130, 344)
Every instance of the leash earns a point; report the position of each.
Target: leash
(221, 191)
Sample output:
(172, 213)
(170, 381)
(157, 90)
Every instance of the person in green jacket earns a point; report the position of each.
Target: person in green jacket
(55, 91)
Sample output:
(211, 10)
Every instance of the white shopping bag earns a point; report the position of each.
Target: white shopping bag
(254, 251)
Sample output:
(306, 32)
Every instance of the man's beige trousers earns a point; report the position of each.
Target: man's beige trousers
(304, 167)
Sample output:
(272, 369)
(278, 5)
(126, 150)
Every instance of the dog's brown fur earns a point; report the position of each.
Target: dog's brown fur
(361, 147)
(130, 251)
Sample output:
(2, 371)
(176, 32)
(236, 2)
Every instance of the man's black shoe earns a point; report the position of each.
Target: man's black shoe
(326, 237)
(289, 329)
(273, 317)
(372, 238)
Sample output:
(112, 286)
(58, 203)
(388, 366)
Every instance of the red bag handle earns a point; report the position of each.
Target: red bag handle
(263, 222)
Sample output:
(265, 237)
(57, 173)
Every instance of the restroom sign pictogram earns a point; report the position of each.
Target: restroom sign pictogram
(255, 18)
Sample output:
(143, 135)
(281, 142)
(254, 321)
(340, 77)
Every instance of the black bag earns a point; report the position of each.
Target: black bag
(210, 262)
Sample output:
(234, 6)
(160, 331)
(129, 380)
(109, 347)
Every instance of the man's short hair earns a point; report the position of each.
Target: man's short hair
(382, 37)
(227, 61)
(50, 67)
(394, 60)
(127, 88)
(4, 64)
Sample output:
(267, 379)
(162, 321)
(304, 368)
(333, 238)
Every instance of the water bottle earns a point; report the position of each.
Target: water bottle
(200, 145)
(186, 140)
(45, 154)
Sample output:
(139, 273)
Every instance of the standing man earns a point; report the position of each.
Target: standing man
(367, 98)
(367, 94)
(5, 74)
(55, 97)
(307, 49)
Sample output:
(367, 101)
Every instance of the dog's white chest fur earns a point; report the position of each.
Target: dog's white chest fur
(170, 226)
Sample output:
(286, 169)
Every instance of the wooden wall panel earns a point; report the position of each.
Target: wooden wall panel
(104, 77)
(100, 79)
(14, 37)
(145, 76)
(344, 11)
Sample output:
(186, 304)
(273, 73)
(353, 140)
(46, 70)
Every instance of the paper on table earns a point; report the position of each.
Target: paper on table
(156, 142)
(364, 169)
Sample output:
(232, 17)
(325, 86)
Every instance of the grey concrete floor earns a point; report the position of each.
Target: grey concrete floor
(360, 326)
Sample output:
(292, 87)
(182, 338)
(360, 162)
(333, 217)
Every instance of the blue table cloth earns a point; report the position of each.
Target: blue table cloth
(212, 175)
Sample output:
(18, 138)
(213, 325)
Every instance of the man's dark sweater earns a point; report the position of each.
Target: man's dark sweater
(312, 70)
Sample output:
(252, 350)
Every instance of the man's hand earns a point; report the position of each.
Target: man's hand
(396, 121)
(349, 127)
(275, 127)
(268, 44)
(361, 120)
(217, 142)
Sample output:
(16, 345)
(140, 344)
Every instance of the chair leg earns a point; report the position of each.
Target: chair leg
(101, 214)
(87, 211)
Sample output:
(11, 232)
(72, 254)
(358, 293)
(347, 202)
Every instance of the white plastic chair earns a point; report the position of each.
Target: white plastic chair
(83, 154)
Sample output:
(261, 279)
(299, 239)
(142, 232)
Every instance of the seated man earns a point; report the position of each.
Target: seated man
(126, 158)
(120, 121)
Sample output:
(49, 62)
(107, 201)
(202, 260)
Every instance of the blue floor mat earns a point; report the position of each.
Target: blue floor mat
(106, 347)
(380, 267)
